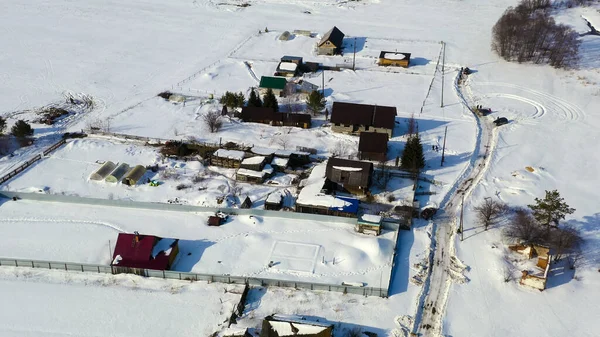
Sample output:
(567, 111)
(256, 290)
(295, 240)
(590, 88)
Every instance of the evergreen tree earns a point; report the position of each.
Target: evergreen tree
(551, 209)
(2, 125)
(315, 102)
(270, 101)
(412, 157)
(254, 99)
(240, 100)
(21, 129)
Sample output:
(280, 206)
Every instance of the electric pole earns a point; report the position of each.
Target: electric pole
(443, 61)
(444, 146)
(354, 57)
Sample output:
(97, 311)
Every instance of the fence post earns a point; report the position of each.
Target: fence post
(16, 263)
(32, 264)
(180, 276)
(66, 266)
(164, 274)
(98, 269)
(82, 268)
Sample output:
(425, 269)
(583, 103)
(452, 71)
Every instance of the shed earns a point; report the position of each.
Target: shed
(372, 146)
(284, 326)
(396, 59)
(214, 220)
(350, 175)
(134, 175)
(298, 120)
(118, 173)
(103, 171)
(247, 203)
(258, 114)
(285, 36)
(250, 175)
(274, 201)
(256, 163)
(135, 252)
(369, 224)
(227, 158)
(331, 42)
(286, 69)
(280, 164)
(292, 59)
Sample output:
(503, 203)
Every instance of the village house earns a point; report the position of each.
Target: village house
(349, 175)
(395, 59)
(227, 158)
(288, 325)
(331, 42)
(254, 163)
(274, 201)
(280, 164)
(134, 253)
(254, 176)
(289, 66)
(355, 118)
(269, 116)
(372, 146)
(277, 84)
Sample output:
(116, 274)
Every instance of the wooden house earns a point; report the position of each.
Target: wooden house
(395, 59)
(331, 42)
(227, 158)
(297, 120)
(288, 326)
(349, 175)
(269, 116)
(277, 84)
(274, 201)
(256, 163)
(280, 164)
(355, 118)
(134, 253)
(372, 146)
(250, 176)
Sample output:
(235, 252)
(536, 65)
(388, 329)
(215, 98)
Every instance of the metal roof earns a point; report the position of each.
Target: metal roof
(373, 142)
(334, 35)
(273, 82)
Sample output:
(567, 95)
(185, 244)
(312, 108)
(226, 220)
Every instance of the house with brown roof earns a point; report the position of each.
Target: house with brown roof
(349, 175)
(372, 146)
(269, 116)
(356, 118)
(331, 42)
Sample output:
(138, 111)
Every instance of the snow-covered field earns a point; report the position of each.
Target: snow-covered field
(123, 54)
(57, 303)
(301, 250)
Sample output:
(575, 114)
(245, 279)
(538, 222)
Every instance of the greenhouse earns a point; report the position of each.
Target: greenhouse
(103, 171)
(118, 173)
(132, 177)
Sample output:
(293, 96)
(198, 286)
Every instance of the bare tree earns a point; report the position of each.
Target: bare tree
(524, 228)
(382, 175)
(283, 140)
(488, 211)
(340, 149)
(576, 259)
(564, 240)
(212, 120)
(412, 125)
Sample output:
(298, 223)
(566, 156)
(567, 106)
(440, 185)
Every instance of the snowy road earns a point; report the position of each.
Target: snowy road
(445, 267)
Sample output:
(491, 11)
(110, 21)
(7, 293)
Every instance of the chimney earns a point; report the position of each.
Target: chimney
(137, 236)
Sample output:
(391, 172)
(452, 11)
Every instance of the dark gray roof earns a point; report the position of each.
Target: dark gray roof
(379, 116)
(334, 35)
(365, 172)
(373, 142)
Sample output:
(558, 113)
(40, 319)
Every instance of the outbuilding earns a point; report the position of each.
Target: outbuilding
(395, 59)
(349, 175)
(331, 42)
(369, 224)
(134, 175)
(372, 146)
(227, 158)
(118, 173)
(103, 171)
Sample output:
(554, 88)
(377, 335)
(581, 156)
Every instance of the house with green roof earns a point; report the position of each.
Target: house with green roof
(277, 84)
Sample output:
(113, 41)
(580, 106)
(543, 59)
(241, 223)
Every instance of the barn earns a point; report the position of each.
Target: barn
(395, 59)
(103, 171)
(349, 175)
(372, 146)
(331, 42)
(136, 252)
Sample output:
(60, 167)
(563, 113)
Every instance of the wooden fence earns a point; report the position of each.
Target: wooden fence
(30, 162)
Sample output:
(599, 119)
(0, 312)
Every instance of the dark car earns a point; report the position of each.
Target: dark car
(501, 121)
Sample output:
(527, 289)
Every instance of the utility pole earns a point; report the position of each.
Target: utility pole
(354, 57)
(462, 228)
(443, 61)
(109, 252)
(444, 146)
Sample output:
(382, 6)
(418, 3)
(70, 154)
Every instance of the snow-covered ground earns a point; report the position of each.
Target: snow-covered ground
(300, 250)
(57, 303)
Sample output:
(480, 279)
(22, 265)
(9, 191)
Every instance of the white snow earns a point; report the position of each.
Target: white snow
(371, 218)
(288, 66)
(263, 151)
(250, 173)
(350, 169)
(253, 160)
(274, 197)
(292, 329)
(163, 245)
(281, 162)
(394, 56)
(311, 193)
(229, 154)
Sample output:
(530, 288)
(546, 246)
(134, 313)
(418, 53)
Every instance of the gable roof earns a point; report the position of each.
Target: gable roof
(253, 114)
(142, 251)
(373, 142)
(334, 35)
(272, 82)
(335, 164)
(363, 114)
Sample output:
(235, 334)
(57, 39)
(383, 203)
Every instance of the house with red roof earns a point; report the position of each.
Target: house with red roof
(136, 252)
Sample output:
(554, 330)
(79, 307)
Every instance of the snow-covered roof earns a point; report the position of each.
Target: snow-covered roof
(164, 245)
(230, 154)
(253, 160)
(263, 151)
(268, 169)
(288, 66)
(371, 218)
(287, 153)
(395, 56)
(251, 173)
(274, 197)
(292, 329)
(311, 193)
(117, 259)
(281, 162)
(351, 169)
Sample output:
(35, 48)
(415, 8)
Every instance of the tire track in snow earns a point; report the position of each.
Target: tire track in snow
(540, 109)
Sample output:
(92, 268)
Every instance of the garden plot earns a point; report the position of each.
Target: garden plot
(67, 171)
(240, 247)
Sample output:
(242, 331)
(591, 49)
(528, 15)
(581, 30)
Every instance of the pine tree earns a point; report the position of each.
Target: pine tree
(412, 157)
(270, 101)
(254, 99)
(315, 102)
(240, 100)
(21, 129)
(551, 209)
(2, 125)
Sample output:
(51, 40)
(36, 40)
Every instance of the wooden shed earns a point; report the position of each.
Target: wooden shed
(373, 146)
(103, 171)
(227, 158)
(284, 326)
(256, 163)
(331, 42)
(274, 201)
(118, 173)
(350, 175)
(250, 176)
(369, 224)
(134, 175)
(395, 59)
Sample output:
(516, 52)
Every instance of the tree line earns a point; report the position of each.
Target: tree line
(527, 33)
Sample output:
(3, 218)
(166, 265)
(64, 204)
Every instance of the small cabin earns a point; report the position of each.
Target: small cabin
(394, 59)
(369, 224)
(274, 201)
(331, 42)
